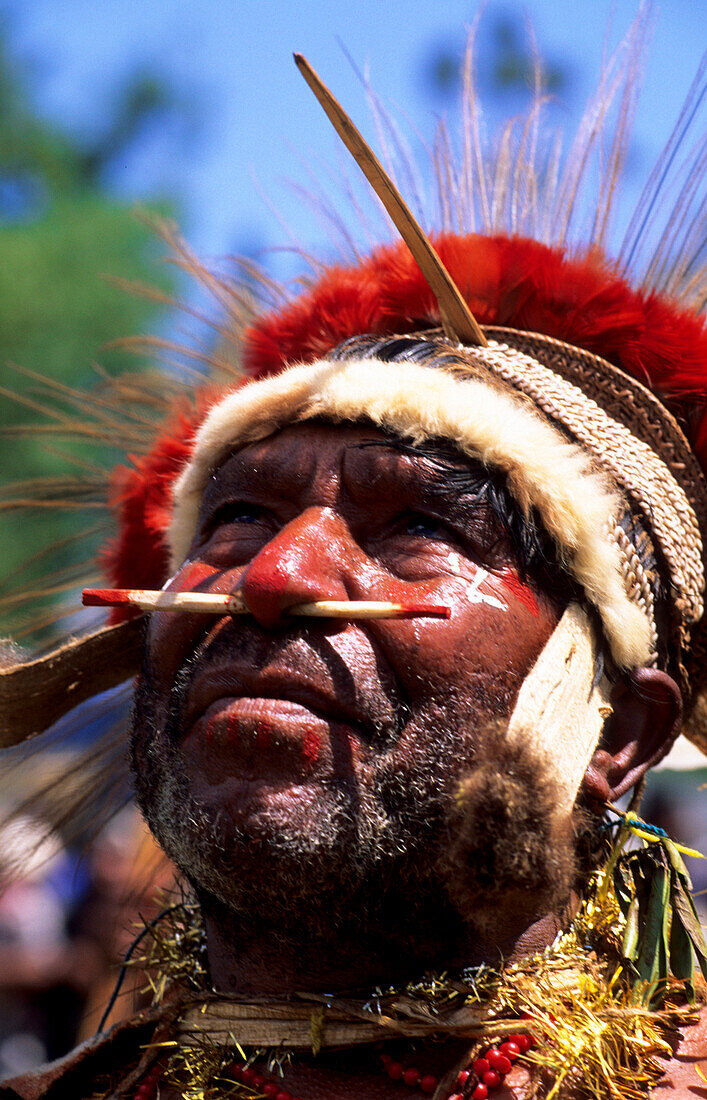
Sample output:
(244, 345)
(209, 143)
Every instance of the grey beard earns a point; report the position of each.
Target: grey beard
(471, 845)
(363, 849)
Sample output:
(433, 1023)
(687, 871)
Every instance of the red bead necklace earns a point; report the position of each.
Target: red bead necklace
(488, 1071)
(484, 1077)
(411, 1077)
(147, 1088)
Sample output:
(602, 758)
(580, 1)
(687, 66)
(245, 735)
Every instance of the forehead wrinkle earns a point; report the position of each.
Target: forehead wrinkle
(403, 463)
(266, 468)
(458, 481)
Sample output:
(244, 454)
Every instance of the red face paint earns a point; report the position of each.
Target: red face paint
(192, 575)
(264, 734)
(209, 735)
(106, 597)
(520, 591)
(312, 745)
(233, 730)
(267, 582)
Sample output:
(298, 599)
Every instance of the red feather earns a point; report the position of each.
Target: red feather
(507, 281)
(140, 495)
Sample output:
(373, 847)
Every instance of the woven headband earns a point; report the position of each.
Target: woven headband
(475, 399)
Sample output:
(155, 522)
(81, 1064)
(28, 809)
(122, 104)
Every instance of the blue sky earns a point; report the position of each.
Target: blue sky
(259, 125)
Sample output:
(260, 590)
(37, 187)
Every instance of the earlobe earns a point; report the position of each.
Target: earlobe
(646, 719)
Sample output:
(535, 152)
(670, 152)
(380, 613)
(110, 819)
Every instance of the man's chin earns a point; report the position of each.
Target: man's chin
(279, 847)
(259, 842)
(272, 812)
(296, 867)
(259, 823)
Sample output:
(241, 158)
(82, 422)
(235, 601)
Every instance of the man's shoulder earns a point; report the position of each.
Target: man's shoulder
(684, 1072)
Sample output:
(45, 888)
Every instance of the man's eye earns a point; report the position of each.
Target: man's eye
(236, 511)
(422, 526)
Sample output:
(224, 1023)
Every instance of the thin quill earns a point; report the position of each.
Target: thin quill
(458, 321)
(660, 175)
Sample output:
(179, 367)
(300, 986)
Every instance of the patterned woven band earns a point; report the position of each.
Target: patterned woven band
(625, 523)
(629, 403)
(642, 475)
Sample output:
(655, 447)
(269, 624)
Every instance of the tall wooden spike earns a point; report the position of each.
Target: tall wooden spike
(457, 319)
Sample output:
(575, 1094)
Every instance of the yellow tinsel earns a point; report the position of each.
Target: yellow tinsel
(595, 1037)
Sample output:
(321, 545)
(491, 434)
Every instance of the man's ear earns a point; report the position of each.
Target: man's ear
(646, 719)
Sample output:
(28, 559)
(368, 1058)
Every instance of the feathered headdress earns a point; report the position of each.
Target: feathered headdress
(583, 378)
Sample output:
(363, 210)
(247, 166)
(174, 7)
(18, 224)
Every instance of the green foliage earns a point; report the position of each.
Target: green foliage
(56, 312)
(662, 937)
(56, 309)
(60, 234)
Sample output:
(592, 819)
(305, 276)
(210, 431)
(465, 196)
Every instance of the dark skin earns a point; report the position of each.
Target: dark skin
(272, 728)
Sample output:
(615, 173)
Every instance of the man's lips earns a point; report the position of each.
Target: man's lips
(271, 743)
(213, 685)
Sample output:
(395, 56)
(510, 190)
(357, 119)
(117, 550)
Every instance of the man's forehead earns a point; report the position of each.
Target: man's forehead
(297, 452)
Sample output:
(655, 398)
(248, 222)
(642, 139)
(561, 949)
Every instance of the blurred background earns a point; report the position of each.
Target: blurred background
(193, 109)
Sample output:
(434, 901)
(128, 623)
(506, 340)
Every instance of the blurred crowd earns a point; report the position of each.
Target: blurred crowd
(65, 927)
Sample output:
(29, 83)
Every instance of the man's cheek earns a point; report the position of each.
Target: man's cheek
(172, 636)
(436, 659)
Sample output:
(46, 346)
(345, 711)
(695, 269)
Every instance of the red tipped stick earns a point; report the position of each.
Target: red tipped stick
(211, 604)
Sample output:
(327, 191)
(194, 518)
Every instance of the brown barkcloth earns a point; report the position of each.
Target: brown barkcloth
(35, 694)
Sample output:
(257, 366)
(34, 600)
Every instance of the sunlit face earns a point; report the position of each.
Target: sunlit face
(268, 740)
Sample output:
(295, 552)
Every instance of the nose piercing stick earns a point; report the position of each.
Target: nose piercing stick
(214, 604)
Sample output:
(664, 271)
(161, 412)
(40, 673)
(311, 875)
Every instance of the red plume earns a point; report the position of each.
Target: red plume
(507, 281)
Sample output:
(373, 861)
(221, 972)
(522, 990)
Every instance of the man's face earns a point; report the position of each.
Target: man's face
(312, 754)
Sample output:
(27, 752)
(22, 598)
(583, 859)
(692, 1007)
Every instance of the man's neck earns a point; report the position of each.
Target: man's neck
(248, 958)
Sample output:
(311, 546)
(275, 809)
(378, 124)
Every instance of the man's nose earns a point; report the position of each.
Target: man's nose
(309, 559)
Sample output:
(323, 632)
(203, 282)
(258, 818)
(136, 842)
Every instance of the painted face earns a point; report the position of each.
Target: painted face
(271, 731)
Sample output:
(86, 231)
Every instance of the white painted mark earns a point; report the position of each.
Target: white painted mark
(475, 595)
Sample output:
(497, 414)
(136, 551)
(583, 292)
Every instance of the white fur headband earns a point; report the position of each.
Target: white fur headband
(559, 480)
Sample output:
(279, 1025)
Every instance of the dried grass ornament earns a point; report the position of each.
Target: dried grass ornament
(602, 1001)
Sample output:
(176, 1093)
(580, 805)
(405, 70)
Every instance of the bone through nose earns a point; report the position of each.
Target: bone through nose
(307, 560)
